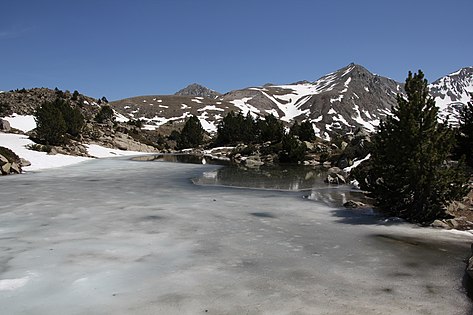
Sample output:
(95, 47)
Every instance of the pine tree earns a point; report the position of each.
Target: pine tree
(192, 135)
(293, 150)
(465, 134)
(50, 124)
(105, 114)
(410, 177)
(72, 116)
(271, 129)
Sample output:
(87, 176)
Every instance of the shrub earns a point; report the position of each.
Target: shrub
(105, 114)
(5, 109)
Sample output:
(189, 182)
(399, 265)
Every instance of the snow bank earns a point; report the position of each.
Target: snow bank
(102, 152)
(39, 160)
(24, 123)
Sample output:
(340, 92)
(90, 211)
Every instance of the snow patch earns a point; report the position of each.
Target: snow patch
(24, 123)
(39, 160)
(210, 107)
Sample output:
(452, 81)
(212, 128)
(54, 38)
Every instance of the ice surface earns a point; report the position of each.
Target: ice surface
(114, 236)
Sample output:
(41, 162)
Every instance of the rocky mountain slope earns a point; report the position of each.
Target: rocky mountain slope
(337, 103)
(452, 92)
(195, 89)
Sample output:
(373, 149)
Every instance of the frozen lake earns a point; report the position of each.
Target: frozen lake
(126, 237)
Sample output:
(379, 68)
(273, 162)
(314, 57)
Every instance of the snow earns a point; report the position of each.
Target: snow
(196, 100)
(273, 112)
(340, 118)
(24, 123)
(99, 151)
(210, 107)
(119, 117)
(156, 121)
(184, 106)
(39, 160)
(42, 160)
(163, 106)
(338, 99)
(366, 89)
(347, 82)
(245, 107)
(208, 126)
(348, 71)
(13, 284)
(332, 111)
(356, 163)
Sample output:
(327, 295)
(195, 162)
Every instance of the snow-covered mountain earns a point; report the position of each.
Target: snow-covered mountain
(337, 103)
(452, 92)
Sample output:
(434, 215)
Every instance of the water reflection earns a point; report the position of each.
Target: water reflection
(291, 178)
(306, 179)
(179, 158)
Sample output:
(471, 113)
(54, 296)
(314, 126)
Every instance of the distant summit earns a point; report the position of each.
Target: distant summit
(195, 89)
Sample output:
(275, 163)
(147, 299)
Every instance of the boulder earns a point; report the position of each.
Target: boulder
(5, 125)
(15, 168)
(3, 160)
(335, 179)
(24, 163)
(354, 204)
(6, 168)
(253, 162)
(440, 224)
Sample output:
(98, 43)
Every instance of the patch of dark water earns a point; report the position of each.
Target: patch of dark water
(180, 158)
(295, 178)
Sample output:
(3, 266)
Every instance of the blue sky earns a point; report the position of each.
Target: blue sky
(126, 48)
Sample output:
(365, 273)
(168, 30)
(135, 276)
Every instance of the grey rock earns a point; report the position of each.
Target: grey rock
(198, 90)
(440, 224)
(24, 163)
(3, 159)
(6, 168)
(15, 168)
(354, 204)
(5, 125)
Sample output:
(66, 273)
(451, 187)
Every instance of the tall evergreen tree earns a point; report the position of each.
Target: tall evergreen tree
(409, 175)
(465, 133)
(271, 129)
(192, 135)
(50, 124)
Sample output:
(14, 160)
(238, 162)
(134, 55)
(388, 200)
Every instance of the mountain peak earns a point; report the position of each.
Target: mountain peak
(195, 89)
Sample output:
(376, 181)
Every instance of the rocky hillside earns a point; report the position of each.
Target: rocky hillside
(125, 136)
(25, 102)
